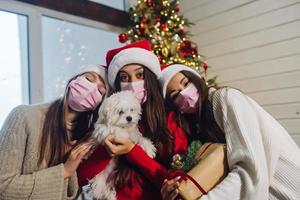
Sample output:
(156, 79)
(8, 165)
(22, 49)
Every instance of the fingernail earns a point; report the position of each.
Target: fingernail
(177, 178)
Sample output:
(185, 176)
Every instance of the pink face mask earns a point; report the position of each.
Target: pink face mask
(83, 95)
(137, 87)
(187, 99)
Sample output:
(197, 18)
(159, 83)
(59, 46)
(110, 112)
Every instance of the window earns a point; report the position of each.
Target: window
(13, 62)
(68, 46)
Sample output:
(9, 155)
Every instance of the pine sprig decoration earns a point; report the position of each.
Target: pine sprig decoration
(159, 22)
(190, 161)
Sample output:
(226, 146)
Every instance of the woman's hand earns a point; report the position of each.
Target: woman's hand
(94, 145)
(117, 145)
(169, 190)
(75, 157)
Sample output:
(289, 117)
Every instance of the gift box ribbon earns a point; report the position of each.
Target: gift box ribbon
(185, 176)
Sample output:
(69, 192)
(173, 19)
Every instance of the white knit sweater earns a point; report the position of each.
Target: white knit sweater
(263, 159)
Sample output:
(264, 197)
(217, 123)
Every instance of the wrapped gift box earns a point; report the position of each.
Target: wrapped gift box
(209, 171)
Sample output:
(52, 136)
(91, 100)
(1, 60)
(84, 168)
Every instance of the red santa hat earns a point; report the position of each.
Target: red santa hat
(169, 71)
(135, 53)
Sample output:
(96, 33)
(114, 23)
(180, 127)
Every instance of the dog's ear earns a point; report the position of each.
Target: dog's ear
(102, 113)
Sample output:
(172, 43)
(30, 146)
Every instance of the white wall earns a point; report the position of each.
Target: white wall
(253, 45)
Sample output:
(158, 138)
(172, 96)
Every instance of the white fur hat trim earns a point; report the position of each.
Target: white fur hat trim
(169, 72)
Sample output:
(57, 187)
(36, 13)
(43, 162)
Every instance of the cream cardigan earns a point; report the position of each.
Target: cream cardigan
(264, 160)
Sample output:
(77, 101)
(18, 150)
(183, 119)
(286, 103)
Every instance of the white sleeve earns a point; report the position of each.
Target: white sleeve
(237, 116)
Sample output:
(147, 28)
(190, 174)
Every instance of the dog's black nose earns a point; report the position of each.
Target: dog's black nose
(129, 118)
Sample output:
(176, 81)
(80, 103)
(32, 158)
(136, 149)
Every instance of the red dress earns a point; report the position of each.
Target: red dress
(152, 172)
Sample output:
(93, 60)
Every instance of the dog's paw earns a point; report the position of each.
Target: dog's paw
(148, 147)
(100, 133)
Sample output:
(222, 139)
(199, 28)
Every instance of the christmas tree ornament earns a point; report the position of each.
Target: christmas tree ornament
(165, 52)
(123, 38)
(177, 162)
(180, 31)
(144, 21)
(159, 58)
(140, 31)
(176, 9)
(176, 38)
(149, 3)
(205, 66)
(163, 27)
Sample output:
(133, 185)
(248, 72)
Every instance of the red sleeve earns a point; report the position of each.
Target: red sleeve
(151, 169)
(180, 137)
(89, 168)
(154, 171)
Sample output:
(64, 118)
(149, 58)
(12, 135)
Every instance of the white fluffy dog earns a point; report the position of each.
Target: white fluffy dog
(118, 115)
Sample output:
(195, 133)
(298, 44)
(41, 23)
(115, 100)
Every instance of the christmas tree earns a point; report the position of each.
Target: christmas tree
(159, 22)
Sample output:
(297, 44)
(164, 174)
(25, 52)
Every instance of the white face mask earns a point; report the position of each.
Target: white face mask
(138, 87)
(187, 99)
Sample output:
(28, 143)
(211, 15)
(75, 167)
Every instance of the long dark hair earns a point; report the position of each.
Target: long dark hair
(200, 125)
(54, 134)
(154, 125)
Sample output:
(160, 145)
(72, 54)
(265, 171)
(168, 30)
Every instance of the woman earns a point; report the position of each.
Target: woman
(42, 145)
(134, 67)
(263, 159)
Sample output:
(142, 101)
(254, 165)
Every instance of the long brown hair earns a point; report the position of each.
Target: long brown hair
(54, 134)
(200, 125)
(154, 124)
